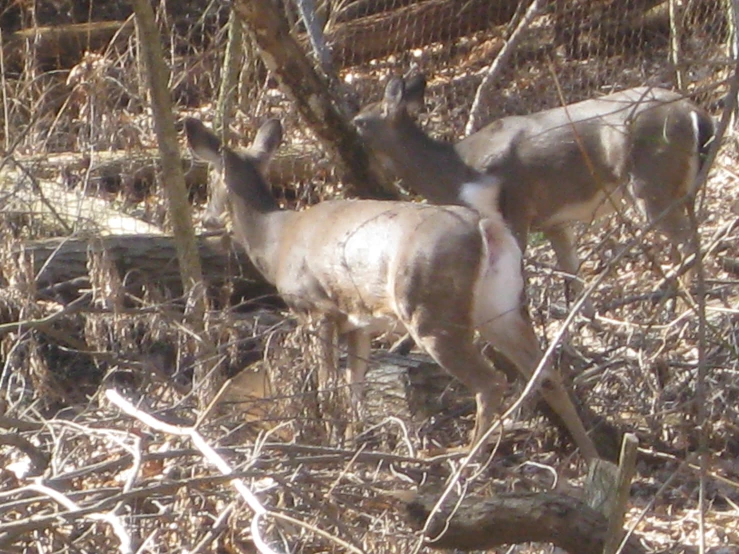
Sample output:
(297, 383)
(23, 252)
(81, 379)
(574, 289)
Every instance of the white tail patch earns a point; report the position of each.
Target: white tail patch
(500, 285)
(482, 195)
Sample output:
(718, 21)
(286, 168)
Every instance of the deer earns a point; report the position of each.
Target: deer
(550, 169)
(440, 273)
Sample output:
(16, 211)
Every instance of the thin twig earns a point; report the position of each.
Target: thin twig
(126, 545)
(498, 64)
(213, 457)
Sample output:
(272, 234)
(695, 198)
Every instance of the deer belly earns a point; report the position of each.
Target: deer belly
(586, 210)
(373, 324)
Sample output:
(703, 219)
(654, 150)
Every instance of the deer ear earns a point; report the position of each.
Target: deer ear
(415, 89)
(394, 100)
(203, 143)
(267, 140)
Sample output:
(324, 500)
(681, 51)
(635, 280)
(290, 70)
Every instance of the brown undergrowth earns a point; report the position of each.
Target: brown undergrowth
(78, 473)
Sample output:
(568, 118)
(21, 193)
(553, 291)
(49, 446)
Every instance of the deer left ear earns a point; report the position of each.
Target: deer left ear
(394, 100)
(202, 141)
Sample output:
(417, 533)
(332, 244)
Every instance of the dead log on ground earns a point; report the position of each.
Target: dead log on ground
(135, 172)
(62, 46)
(514, 518)
(142, 259)
(71, 210)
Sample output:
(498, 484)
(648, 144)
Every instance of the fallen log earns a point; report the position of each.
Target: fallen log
(145, 259)
(62, 46)
(513, 518)
(136, 170)
(69, 210)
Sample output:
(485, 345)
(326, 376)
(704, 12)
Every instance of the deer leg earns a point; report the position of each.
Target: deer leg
(458, 355)
(513, 335)
(564, 248)
(358, 351)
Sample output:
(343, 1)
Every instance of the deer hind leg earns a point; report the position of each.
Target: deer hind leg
(455, 351)
(563, 243)
(513, 335)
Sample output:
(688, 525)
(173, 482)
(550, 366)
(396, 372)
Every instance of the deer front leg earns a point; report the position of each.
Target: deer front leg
(562, 241)
(358, 352)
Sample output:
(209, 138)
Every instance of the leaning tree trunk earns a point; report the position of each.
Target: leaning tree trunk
(298, 78)
(207, 379)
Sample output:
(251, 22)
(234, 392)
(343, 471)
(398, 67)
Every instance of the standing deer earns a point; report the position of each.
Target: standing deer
(439, 272)
(552, 168)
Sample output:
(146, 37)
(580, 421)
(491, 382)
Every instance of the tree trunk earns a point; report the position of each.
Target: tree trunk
(173, 179)
(207, 378)
(284, 57)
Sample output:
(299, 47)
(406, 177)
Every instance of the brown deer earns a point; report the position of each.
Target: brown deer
(549, 169)
(439, 272)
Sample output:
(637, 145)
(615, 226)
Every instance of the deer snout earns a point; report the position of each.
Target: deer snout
(361, 123)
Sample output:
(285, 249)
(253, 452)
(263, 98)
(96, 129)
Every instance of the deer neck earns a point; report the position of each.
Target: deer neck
(258, 222)
(430, 167)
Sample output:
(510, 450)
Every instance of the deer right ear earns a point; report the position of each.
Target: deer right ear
(267, 140)
(394, 100)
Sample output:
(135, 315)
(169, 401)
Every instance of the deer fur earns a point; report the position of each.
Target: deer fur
(439, 272)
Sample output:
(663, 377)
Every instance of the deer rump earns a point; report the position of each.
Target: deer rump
(572, 163)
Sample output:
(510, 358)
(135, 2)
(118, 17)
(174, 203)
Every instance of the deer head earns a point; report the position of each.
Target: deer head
(260, 152)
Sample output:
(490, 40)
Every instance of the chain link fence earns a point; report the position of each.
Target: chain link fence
(81, 91)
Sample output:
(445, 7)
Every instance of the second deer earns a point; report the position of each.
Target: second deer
(441, 273)
(550, 169)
